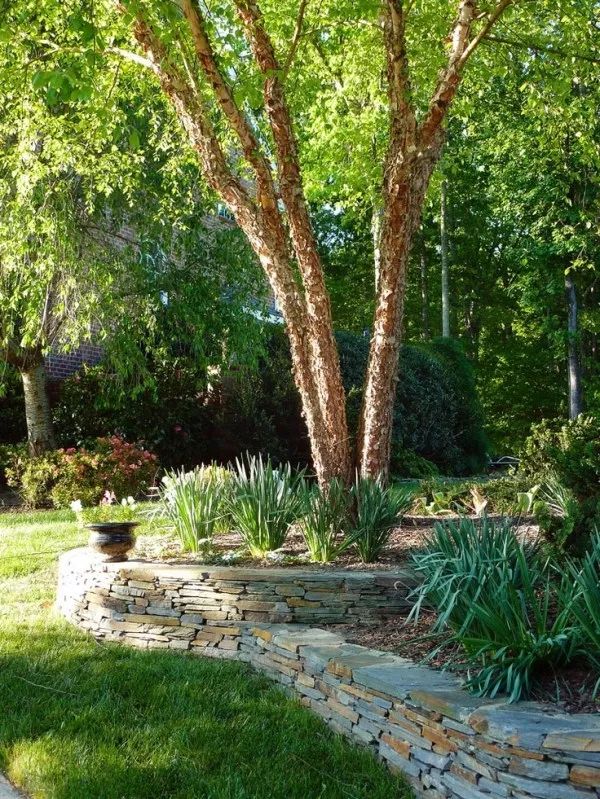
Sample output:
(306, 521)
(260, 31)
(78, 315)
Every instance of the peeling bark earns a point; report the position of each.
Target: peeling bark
(284, 240)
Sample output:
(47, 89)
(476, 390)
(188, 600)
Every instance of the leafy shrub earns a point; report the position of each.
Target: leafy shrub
(170, 418)
(263, 503)
(258, 409)
(59, 477)
(33, 478)
(376, 511)
(569, 452)
(194, 502)
(566, 459)
(406, 463)
(325, 515)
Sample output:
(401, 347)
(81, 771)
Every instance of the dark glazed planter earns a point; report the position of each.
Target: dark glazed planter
(112, 539)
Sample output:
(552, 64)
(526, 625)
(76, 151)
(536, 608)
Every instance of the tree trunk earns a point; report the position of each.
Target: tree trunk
(573, 360)
(285, 243)
(445, 261)
(425, 334)
(376, 215)
(400, 221)
(40, 432)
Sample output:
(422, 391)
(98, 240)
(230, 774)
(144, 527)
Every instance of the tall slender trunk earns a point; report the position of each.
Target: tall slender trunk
(400, 221)
(425, 334)
(445, 261)
(40, 432)
(573, 359)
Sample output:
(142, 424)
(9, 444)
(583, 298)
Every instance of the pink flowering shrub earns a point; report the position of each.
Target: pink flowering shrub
(85, 473)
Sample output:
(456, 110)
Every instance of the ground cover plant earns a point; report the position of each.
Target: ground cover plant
(80, 719)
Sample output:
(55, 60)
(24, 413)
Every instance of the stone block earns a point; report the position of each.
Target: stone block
(406, 765)
(543, 788)
(147, 618)
(497, 788)
(539, 770)
(586, 776)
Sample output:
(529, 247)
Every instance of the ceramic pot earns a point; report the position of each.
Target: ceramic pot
(112, 539)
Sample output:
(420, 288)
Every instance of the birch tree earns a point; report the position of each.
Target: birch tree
(249, 152)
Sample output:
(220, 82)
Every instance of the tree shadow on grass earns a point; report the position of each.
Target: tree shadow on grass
(80, 720)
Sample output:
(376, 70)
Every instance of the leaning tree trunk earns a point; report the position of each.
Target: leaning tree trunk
(40, 432)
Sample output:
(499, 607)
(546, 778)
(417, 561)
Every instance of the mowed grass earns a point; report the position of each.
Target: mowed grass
(80, 720)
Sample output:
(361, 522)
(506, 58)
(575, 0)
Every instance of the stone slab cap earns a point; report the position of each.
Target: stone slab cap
(584, 739)
(292, 639)
(401, 677)
(528, 725)
(456, 704)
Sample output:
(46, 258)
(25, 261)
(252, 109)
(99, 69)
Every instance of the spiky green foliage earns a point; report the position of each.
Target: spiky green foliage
(515, 628)
(324, 518)
(377, 510)
(501, 601)
(459, 561)
(264, 502)
(194, 503)
(586, 604)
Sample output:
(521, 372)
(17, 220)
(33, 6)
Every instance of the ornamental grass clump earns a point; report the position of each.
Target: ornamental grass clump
(264, 502)
(376, 511)
(324, 519)
(195, 504)
(586, 601)
(461, 559)
(509, 610)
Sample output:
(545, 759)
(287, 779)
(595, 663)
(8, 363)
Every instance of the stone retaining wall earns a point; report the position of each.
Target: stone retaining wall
(105, 596)
(449, 744)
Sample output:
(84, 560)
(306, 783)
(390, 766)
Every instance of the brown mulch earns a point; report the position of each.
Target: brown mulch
(403, 540)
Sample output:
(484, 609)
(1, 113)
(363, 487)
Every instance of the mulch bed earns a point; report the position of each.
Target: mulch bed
(403, 541)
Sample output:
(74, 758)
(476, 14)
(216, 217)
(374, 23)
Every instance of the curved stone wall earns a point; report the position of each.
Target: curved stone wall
(448, 744)
(107, 596)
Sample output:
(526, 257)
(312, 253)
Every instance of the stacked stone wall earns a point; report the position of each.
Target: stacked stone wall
(448, 744)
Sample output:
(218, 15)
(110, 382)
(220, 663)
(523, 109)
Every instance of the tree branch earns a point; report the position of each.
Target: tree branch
(490, 22)
(461, 48)
(541, 48)
(136, 58)
(224, 96)
(295, 39)
(402, 117)
(194, 118)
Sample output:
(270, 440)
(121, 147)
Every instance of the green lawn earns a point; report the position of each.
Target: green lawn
(83, 721)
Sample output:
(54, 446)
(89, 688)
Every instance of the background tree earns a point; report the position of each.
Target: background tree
(103, 229)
